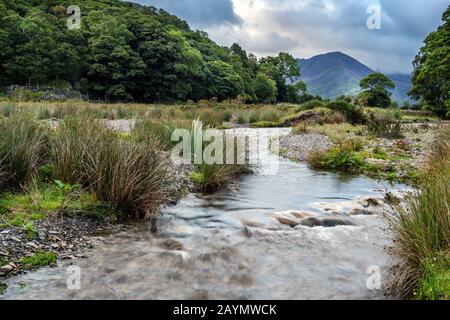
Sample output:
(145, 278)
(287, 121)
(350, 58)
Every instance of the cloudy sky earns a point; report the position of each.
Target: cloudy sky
(308, 27)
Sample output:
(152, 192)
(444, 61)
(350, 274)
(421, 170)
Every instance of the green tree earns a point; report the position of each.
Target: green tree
(113, 65)
(223, 81)
(296, 91)
(265, 89)
(375, 87)
(279, 69)
(431, 75)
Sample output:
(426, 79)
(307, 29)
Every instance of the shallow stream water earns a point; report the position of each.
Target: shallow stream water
(286, 236)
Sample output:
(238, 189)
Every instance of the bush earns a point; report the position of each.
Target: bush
(353, 113)
(311, 104)
(346, 156)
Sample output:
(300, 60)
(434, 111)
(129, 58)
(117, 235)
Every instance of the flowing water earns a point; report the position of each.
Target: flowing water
(283, 236)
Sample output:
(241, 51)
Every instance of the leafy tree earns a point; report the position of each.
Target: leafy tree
(295, 92)
(280, 68)
(375, 87)
(431, 75)
(128, 52)
(223, 81)
(265, 89)
(113, 64)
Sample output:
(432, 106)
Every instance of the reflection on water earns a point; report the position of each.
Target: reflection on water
(284, 236)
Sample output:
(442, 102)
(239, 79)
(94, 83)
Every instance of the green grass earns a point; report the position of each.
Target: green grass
(43, 200)
(40, 259)
(265, 124)
(434, 283)
(422, 230)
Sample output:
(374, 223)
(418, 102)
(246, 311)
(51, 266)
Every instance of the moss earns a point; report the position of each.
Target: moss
(39, 260)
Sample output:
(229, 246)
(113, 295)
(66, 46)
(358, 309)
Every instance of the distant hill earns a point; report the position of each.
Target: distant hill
(333, 74)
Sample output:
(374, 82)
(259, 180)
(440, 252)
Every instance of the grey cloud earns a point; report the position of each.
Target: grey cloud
(198, 13)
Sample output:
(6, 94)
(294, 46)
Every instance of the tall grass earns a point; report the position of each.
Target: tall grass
(130, 175)
(422, 230)
(22, 150)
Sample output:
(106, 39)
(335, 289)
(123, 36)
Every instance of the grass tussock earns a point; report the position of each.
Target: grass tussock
(131, 175)
(22, 150)
(422, 231)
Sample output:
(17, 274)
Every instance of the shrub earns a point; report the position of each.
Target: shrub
(311, 104)
(337, 159)
(345, 156)
(353, 113)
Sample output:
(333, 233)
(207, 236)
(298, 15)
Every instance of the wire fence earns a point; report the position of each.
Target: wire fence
(47, 93)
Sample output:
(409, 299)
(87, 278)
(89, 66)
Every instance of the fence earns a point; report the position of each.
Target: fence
(42, 93)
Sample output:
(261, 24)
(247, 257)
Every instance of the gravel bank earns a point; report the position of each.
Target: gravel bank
(298, 147)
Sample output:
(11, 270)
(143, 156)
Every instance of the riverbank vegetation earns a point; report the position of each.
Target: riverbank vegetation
(422, 231)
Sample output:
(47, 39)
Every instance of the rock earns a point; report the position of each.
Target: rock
(372, 202)
(288, 222)
(172, 245)
(301, 214)
(6, 269)
(311, 222)
(361, 212)
(327, 222)
(32, 244)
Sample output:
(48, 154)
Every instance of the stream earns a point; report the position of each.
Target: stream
(293, 235)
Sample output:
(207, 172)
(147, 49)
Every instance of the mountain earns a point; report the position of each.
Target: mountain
(333, 74)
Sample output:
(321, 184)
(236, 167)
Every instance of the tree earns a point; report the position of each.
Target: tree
(113, 65)
(265, 89)
(431, 75)
(279, 69)
(223, 81)
(375, 87)
(295, 92)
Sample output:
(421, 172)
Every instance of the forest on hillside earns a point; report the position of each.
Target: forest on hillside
(127, 52)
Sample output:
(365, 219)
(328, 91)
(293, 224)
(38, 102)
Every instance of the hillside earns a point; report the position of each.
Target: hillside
(333, 74)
